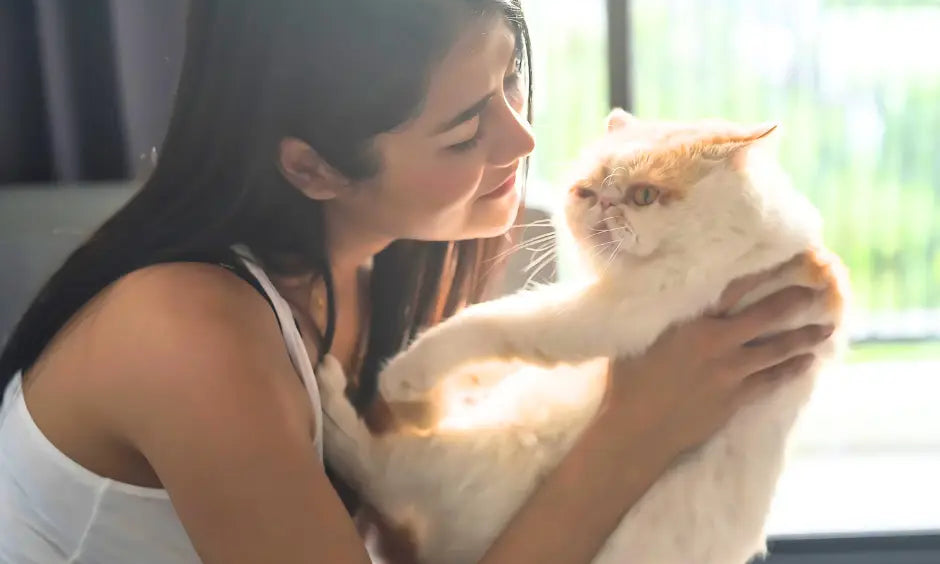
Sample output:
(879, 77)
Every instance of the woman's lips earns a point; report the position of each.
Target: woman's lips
(503, 189)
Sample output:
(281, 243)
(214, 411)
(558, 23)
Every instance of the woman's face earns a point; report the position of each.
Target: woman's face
(449, 173)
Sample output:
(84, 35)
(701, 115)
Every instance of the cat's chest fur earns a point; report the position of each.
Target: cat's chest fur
(629, 314)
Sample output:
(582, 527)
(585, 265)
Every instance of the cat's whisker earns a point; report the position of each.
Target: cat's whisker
(613, 174)
(546, 247)
(603, 244)
(537, 223)
(543, 238)
(539, 244)
(547, 255)
(538, 238)
(598, 250)
(601, 232)
(610, 260)
(545, 260)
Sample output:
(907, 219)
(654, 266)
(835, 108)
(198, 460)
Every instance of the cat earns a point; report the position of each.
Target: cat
(664, 215)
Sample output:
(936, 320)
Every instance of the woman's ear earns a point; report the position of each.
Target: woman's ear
(306, 170)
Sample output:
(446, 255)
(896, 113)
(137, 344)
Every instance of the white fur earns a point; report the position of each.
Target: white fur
(458, 486)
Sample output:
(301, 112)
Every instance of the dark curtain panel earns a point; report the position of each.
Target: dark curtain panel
(25, 153)
(85, 86)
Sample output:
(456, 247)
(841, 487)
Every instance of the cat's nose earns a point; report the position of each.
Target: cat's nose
(607, 201)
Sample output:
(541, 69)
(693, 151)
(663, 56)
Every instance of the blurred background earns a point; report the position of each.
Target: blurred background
(855, 86)
(86, 88)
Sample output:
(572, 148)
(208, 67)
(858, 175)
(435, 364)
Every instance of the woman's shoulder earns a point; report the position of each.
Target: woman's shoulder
(174, 340)
(182, 308)
(167, 316)
(168, 350)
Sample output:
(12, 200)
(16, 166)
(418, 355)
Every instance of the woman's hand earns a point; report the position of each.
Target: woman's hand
(697, 375)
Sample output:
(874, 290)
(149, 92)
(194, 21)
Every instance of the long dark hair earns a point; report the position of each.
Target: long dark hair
(333, 73)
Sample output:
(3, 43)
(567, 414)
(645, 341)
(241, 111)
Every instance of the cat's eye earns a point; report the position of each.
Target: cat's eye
(644, 194)
(585, 193)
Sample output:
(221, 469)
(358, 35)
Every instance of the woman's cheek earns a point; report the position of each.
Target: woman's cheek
(453, 184)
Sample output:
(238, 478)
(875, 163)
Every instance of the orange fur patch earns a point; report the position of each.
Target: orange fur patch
(824, 270)
(672, 158)
(384, 417)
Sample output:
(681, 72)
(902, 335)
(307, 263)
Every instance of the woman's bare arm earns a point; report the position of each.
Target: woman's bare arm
(203, 387)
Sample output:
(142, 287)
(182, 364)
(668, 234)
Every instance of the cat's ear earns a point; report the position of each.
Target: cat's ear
(307, 171)
(619, 119)
(757, 133)
(734, 147)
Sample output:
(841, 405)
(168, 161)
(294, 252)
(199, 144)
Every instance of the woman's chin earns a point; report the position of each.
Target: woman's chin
(495, 217)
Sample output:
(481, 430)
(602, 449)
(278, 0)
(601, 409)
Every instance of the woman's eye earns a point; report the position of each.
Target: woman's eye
(467, 145)
(645, 195)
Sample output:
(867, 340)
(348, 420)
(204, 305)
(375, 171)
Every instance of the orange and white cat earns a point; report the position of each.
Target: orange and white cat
(665, 216)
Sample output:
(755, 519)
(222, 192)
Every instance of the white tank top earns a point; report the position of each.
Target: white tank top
(54, 511)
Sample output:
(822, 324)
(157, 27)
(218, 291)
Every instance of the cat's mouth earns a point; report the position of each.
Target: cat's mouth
(612, 230)
(608, 237)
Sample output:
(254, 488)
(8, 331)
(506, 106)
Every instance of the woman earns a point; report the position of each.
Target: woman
(161, 405)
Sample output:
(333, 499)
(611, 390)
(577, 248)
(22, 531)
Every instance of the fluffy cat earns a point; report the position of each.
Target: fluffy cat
(665, 215)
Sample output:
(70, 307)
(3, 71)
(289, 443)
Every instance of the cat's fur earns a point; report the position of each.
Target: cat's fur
(723, 209)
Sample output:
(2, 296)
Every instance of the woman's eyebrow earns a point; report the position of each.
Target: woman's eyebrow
(466, 115)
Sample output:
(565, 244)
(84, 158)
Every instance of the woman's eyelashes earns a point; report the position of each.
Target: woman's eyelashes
(467, 145)
(472, 142)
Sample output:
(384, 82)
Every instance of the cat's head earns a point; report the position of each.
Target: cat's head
(686, 195)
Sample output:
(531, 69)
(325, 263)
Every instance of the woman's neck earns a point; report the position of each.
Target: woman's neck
(351, 250)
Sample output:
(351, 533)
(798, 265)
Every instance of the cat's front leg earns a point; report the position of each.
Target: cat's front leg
(541, 328)
(346, 439)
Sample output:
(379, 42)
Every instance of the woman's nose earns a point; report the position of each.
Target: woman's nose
(515, 142)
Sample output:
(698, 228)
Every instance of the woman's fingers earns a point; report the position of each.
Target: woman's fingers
(768, 353)
(739, 288)
(764, 316)
(769, 379)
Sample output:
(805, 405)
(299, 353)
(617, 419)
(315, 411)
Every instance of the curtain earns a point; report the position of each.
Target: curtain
(85, 86)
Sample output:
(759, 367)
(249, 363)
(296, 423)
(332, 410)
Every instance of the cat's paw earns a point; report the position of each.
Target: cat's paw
(408, 385)
(407, 378)
(331, 382)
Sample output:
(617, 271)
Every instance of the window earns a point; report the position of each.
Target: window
(855, 85)
(571, 85)
(571, 102)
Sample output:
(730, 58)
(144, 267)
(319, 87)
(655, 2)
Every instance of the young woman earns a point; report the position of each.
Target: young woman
(323, 161)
